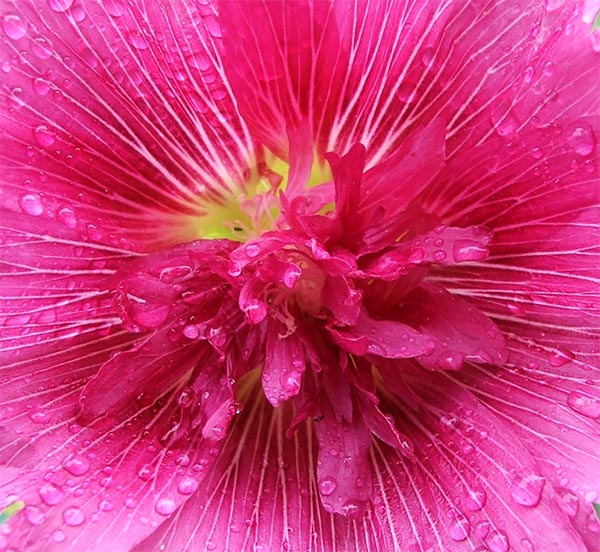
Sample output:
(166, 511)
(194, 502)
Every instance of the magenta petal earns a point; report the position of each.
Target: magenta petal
(262, 492)
(343, 473)
(118, 119)
(461, 332)
(472, 485)
(384, 338)
(284, 363)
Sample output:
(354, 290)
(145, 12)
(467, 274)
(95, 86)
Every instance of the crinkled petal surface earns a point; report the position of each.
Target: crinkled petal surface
(479, 127)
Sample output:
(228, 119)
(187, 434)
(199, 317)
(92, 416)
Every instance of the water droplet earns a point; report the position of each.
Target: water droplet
(482, 528)
(188, 485)
(475, 500)
(526, 488)
(34, 515)
(137, 40)
(199, 61)
(76, 465)
(145, 473)
(528, 74)
(31, 204)
(191, 331)
(584, 404)
(51, 494)
(165, 506)
(552, 5)
(581, 138)
(105, 506)
(40, 417)
(427, 56)
(451, 360)
(213, 26)
(252, 250)
(43, 136)
(41, 48)
(439, 255)
(327, 485)
(186, 397)
(459, 528)
(549, 69)
(73, 516)
(504, 121)
(41, 87)
(569, 502)
(66, 215)
(291, 382)
(354, 509)
(60, 5)
(13, 27)
(497, 542)
(59, 536)
(116, 8)
(78, 13)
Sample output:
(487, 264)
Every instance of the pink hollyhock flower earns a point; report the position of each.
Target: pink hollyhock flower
(305, 276)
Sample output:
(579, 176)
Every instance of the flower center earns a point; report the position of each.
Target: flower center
(245, 212)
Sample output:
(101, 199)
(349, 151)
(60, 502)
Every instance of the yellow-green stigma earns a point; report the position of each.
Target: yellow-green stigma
(245, 212)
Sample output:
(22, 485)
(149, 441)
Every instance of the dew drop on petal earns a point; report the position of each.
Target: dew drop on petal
(582, 139)
(43, 136)
(213, 26)
(252, 250)
(475, 500)
(165, 506)
(482, 528)
(31, 204)
(41, 48)
(191, 331)
(427, 56)
(291, 382)
(497, 542)
(60, 5)
(137, 40)
(188, 485)
(459, 528)
(73, 516)
(34, 515)
(327, 485)
(41, 87)
(76, 465)
(469, 250)
(354, 508)
(13, 27)
(40, 417)
(584, 404)
(504, 121)
(526, 488)
(105, 506)
(51, 494)
(66, 215)
(569, 502)
(116, 8)
(59, 536)
(552, 5)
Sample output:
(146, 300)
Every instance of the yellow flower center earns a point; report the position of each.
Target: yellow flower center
(246, 212)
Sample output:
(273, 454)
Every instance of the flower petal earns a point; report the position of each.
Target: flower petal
(119, 118)
(471, 486)
(263, 494)
(459, 330)
(347, 67)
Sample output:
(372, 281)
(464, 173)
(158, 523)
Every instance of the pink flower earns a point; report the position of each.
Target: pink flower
(302, 276)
